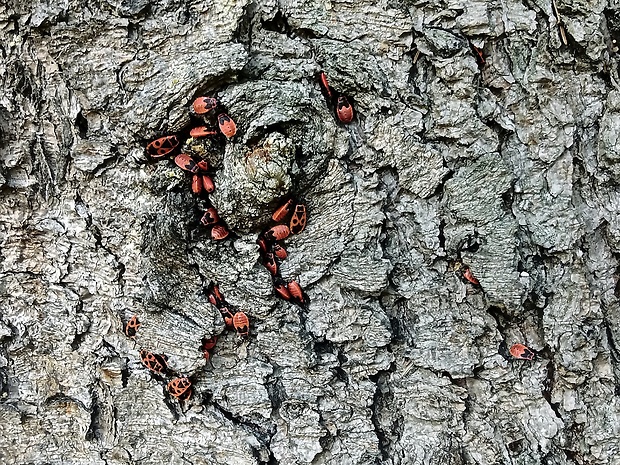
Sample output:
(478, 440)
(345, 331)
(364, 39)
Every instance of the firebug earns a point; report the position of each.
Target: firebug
(187, 163)
(277, 233)
(280, 251)
(202, 131)
(269, 261)
(227, 315)
(344, 110)
(181, 388)
(522, 352)
(210, 217)
(469, 276)
(282, 212)
(227, 125)
(298, 220)
(242, 324)
(204, 105)
(296, 292)
(162, 146)
(325, 84)
(219, 232)
(207, 183)
(154, 362)
(281, 289)
(196, 184)
(131, 327)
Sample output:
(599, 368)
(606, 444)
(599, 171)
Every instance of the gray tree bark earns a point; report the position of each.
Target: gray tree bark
(510, 166)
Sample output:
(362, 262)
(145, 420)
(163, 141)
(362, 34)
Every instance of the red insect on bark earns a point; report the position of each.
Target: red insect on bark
(242, 324)
(208, 184)
(186, 163)
(281, 290)
(262, 245)
(469, 276)
(215, 296)
(522, 352)
(297, 293)
(325, 84)
(210, 217)
(278, 233)
(227, 125)
(298, 220)
(196, 184)
(154, 362)
(219, 232)
(208, 343)
(131, 327)
(280, 251)
(162, 146)
(204, 105)
(202, 131)
(181, 388)
(228, 316)
(282, 212)
(203, 165)
(206, 347)
(269, 261)
(478, 55)
(344, 110)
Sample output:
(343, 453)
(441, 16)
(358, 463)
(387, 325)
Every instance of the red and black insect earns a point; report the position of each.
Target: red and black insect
(219, 232)
(281, 289)
(280, 251)
(215, 296)
(344, 110)
(269, 262)
(196, 184)
(277, 233)
(204, 105)
(478, 54)
(207, 345)
(187, 163)
(181, 388)
(262, 245)
(228, 315)
(296, 292)
(522, 352)
(208, 184)
(162, 146)
(241, 324)
(131, 327)
(227, 125)
(210, 217)
(202, 131)
(469, 276)
(154, 362)
(281, 213)
(298, 220)
(325, 84)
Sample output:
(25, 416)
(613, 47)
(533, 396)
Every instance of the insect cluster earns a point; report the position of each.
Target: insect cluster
(233, 318)
(202, 179)
(179, 386)
(271, 250)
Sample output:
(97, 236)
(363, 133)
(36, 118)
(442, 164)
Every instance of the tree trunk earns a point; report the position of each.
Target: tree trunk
(483, 139)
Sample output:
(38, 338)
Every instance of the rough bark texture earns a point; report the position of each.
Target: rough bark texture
(511, 167)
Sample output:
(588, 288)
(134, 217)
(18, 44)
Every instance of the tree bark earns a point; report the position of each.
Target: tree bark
(484, 136)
